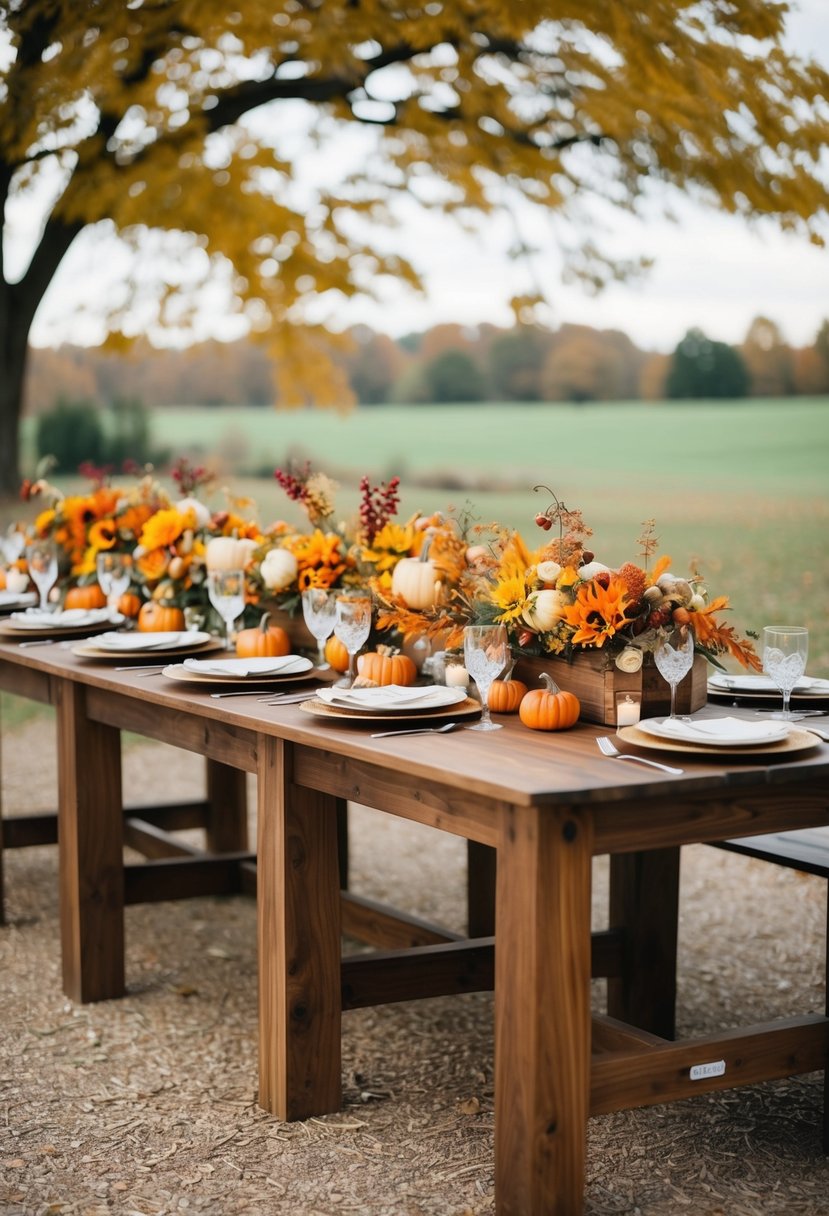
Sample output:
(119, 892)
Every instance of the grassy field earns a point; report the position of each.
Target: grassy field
(742, 488)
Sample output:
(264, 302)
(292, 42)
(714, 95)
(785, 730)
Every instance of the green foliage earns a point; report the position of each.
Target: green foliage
(702, 369)
(454, 376)
(77, 432)
(72, 433)
(515, 362)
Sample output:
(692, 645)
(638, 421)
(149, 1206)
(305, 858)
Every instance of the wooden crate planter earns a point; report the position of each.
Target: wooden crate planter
(595, 679)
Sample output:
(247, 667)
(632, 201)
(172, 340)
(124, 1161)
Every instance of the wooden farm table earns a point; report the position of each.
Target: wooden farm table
(546, 803)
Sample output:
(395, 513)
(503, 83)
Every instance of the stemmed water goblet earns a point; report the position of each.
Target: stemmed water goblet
(226, 589)
(352, 626)
(785, 650)
(114, 572)
(486, 654)
(674, 658)
(42, 561)
(319, 607)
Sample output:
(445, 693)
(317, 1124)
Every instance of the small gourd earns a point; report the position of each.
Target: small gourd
(155, 617)
(228, 553)
(545, 609)
(385, 665)
(549, 708)
(88, 597)
(263, 641)
(336, 654)
(129, 604)
(505, 696)
(415, 580)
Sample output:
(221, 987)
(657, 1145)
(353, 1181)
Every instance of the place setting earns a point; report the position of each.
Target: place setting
(268, 671)
(114, 644)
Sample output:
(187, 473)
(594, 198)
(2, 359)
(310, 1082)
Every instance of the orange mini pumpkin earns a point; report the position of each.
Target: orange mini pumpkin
(385, 665)
(156, 617)
(549, 708)
(129, 604)
(89, 596)
(505, 696)
(263, 641)
(336, 654)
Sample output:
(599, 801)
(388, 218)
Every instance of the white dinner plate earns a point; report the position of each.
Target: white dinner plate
(392, 698)
(10, 600)
(124, 643)
(748, 682)
(716, 732)
(70, 618)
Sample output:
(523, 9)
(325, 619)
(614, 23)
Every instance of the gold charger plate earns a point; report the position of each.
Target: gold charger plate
(87, 650)
(461, 709)
(795, 741)
(177, 671)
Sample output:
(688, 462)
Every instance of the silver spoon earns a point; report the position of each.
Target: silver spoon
(417, 730)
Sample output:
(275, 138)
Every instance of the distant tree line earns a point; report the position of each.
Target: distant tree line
(449, 363)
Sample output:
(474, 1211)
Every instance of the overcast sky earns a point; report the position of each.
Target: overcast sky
(710, 270)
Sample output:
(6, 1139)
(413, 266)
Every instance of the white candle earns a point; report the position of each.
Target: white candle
(16, 581)
(627, 712)
(456, 676)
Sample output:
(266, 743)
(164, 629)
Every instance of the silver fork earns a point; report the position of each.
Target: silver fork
(417, 730)
(608, 748)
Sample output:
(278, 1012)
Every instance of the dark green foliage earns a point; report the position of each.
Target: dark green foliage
(704, 369)
(515, 362)
(72, 433)
(454, 376)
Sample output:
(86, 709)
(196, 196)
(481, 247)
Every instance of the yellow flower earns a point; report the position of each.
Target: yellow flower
(164, 528)
(510, 595)
(392, 542)
(598, 613)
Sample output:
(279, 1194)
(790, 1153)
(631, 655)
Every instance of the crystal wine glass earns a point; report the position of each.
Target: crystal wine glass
(114, 572)
(486, 654)
(352, 626)
(319, 607)
(785, 649)
(42, 560)
(674, 658)
(226, 589)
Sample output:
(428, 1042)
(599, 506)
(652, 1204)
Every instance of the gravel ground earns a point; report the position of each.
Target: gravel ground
(147, 1105)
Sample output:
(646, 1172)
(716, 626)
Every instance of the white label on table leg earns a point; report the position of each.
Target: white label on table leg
(700, 1071)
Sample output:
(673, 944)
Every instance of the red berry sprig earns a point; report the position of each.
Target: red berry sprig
(293, 484)
(377, 505)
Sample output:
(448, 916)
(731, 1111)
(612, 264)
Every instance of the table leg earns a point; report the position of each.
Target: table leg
(480, 889)
(826, 1069)
(644, 901)
(90, 842)
(2, 881)
(298, 909)
(542, 1013)
(227, 812)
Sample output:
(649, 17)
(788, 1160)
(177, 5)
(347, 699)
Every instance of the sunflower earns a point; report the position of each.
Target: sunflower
(392, 542)
(103, 534)
(598, 612)
(510, 595)
(164, 528)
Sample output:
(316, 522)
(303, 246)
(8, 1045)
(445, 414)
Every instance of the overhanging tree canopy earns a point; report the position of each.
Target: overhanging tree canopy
(137, 109)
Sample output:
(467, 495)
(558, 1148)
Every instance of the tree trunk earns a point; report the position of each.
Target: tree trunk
(14, 345)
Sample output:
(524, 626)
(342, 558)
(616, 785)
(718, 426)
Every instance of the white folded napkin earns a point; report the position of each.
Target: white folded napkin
(723, 730)
(282, 665)
(34, 618)
(392, 696)
(158, 640)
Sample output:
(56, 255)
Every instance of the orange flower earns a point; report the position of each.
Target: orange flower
(153, 564)
(132, 520)
(598, 613)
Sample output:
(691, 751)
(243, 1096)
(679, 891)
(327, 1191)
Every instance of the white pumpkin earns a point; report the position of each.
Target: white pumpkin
(416, 581)
(592, 569)
(278, 569)
(545, 609)
(201, 513)
(228, 553)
